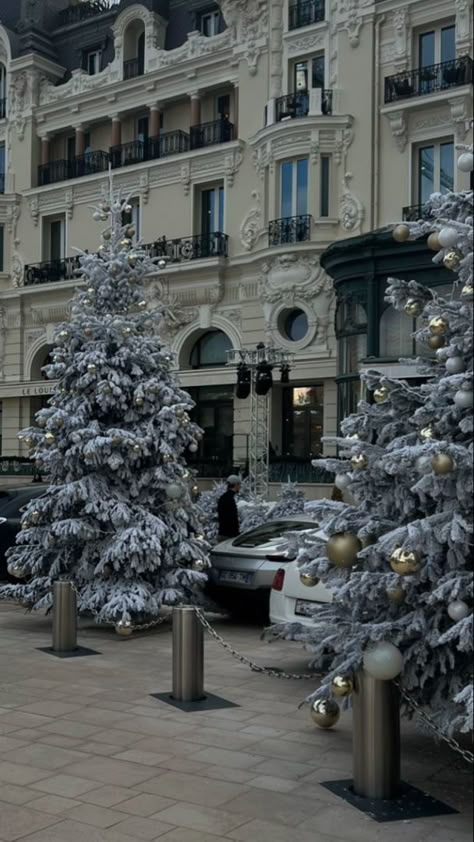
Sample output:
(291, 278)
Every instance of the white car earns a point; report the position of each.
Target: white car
(293, 602)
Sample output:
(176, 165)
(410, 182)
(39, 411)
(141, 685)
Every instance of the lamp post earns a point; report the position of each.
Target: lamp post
(255, 380)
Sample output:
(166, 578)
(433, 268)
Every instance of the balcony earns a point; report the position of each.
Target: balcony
(62, 170)
(412, 213)
(429, 80)
(291, 229)
(305, 13)
(138, 151)
(82, 11)
(52, 271)
(293, 106)
(183, 249)
(3, 108)
(209, 134)
(133, 67)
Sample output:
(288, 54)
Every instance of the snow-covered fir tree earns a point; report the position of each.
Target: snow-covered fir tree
(117, 518)
(399, 561)
(290, 501)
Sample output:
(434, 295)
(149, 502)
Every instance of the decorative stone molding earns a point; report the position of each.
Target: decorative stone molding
(305, 43)
(17, 269)
(232, 164)
(463, 27)
(402, 34)
(34, 209)
(247, 21)
(313, 136)
(69, 203)
(3, 338)
(351, 209)
(186, 178)
(461, 116)
(251, 228)
(398, 125)
(155, 33)
(276, 49)
(13, 212)
(351, 17)
(196, 46)
(144, 186)
(20, 102)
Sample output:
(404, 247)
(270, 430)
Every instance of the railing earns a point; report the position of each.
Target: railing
(297, 104)
(51, 271)
(305, 12)
(88, 164)
(2, 182)
(3, 108)
(209, 134)
(169, 143)
(429, 80)
(211, 468)
(16, 466)
(133, 67)
(412, 213)
(286, 469)
(196, 247)
(81, 11)
(292, 229)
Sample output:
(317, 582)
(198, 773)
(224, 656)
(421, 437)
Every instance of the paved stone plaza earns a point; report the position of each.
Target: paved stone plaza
(87, 755)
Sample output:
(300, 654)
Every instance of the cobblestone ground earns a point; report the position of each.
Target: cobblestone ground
(87, 755)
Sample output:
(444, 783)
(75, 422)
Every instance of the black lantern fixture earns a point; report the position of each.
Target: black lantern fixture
(244, 377)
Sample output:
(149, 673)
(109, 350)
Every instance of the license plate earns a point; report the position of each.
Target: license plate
(305, 608)
(235, 576)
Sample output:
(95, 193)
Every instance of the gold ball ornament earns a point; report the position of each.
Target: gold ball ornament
(16, 570)
(381, 394)
(401, 233)
(26, 524)
(92, 368)
(142, 305)
(308, 580)
(413, 308)
(29, 442)
(107, 235)
(50, 438)
(438, 326)
(35, 516)
(359, 462)
(199, 565)
(132, 259)
(139, 402)
(436, 342)
(124, 628)
(64, 334)
(167, 458)
(442, 463)
(88, 331)
(195, 490)
(126, 331)
(342, 549)
(130, 232)
(125, 243)
(404, 562)
(467, 292)
(452, 259)
(325, 712)
(396, 594)
(342, 686)
(433, 242)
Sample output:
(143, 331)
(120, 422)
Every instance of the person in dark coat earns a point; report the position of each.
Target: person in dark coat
(227, 510)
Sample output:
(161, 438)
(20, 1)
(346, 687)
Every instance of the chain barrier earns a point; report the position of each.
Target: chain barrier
(144, 627)
(467, 755)
(246, 661)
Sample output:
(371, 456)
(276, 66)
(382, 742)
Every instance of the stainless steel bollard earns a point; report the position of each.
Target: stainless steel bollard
(376, 738)
(188, 656)
(64, 617)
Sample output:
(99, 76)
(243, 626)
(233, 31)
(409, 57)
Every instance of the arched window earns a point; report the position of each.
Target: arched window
(41, 358)
(210, 350)
(134, 50)
(3, 91)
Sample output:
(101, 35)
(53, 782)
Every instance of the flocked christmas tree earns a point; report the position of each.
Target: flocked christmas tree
(117, 518)
(399, 562)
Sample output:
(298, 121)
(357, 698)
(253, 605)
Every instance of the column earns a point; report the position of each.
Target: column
(80, 140)
(236, 111)
(116, 130)
(45, 143)
(155, 120)
(195, 109)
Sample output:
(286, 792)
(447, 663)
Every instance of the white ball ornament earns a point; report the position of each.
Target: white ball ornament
(423, 465)
(463, 399)
(193, 448)
(383, 661)
(458, 610)
(455, 365)
(465, 162)
(448, 237)
(174, 491)
(97, 216)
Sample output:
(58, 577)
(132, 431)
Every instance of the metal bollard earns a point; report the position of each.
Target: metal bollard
(376, 738)
(64, 617)
(188, 656)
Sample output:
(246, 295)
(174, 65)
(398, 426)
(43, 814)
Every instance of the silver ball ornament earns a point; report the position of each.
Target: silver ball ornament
(16, 570)
(455, 365)
(383, 661)
(325, 712)
(174, 491)
(423, 465)
(124, 628)
(199, 565)
(401, 233)
(448, 237)
(342, 481)
(463, 399)
(458, 610)
(465, 162)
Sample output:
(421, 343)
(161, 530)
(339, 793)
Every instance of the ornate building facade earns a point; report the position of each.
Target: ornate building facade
(250, 135)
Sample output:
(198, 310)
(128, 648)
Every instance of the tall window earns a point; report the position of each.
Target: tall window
(2, 168)
(56, 239)
(2, 247)
(211, 23)
(214, 412)
(93, 62)
(3, 91)
(212, 210)
(223, 105)
(210, 350)
(309, 74)
(71, 148)
(143, 129)
(435, 169)
(302, 421)
(324, 201)
(133, 217)
(294, 188)
(437, 45)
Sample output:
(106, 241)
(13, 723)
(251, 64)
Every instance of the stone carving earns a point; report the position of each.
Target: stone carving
(197, 45)
(463, 27)
(276, 49)
(262, 157)
(401, 31)
(186, 179)
(232, 163)
(17, 109)
(306, 42)
(79, 83)
(17, 269)
(69, 203)
(251, 227)
(247, 21)
(461, 116)
(290, 277)
(13, 215)
(399, 128)
(144, 184)
(232, 316)
(34, 209)
(352, 18)
(3, 334)
(351, 210)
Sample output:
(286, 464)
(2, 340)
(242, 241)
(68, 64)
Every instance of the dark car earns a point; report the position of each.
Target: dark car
(12, 505)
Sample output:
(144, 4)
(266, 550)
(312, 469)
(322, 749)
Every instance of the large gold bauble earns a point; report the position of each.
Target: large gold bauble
(124, 628)
(404, 562)
(401, 233)
(438, 326)
(443, 463)
(342, 549)
(308, 580)
(16, 570)
(125, 244)
(381, 394)
(452, 259)
(396, 594)
(342, 685)
(467, 292)
(436, 342)
(200, 565)
(433, 242)
(413, 307)
(359, 462)
(325, 712)
(50, 438)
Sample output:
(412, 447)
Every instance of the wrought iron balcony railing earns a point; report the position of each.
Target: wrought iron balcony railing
(63, 170)
(2, 182)
(429, 80)
(197, 247)
(291, 229)
(297, 104)
(81, 11)
(305, 12)
(289, 468)
(412, 213)
(209, 134)
(133, 67)
(3, 108)
(169, 143)
(51, 271)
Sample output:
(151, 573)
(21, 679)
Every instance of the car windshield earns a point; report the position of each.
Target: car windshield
(268, 531)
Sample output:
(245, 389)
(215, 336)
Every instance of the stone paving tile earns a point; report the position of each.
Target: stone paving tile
(283, 769)
(71, 729)
(183, 834)
(204, 819)
(95, 815)
(146, 758)
(102, 749)
(225, 757)
(14, 773)
(193, 789)
(64, 784)
(145, 804)
(108, 796)
(16, 794)
(17, 821)
(222, 773)
(54, 804)
(273, 784)
(268, 831)
(10, 744)
(71, 831)
(108, 771)
(143, 828)
(50, 708)
(286, 809)
(45, 757)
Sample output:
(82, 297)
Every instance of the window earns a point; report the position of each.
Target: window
(214, 412)
(435, 169)
(2, 247)
(87, 143)
(294, 325)
(143, 129)
(71, 148)
(212, 211)
(223, 105)
(309, 74)
(3, 92)
(302, 421)
(267, 533)
(210, 350)
(132, 217)
(93, 62)
(211, 23)
(54, 239)
(324, 201)
(2, 168)
(437, 45)
(294, 188)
